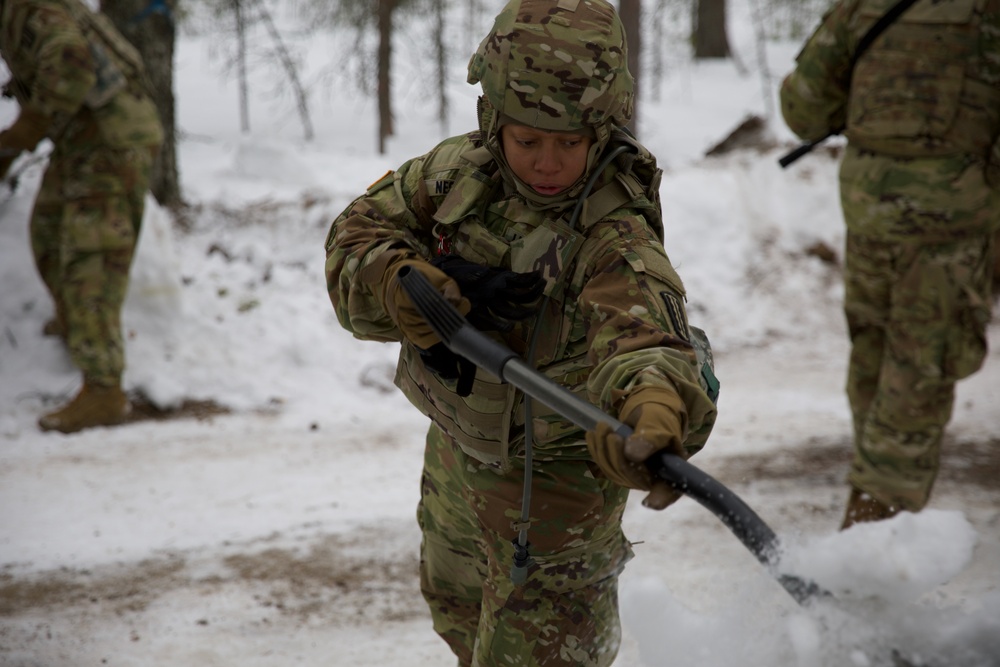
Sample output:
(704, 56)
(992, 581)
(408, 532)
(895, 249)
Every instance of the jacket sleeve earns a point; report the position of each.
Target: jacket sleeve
(65, 69)
(638, 333)
(374, 229)
(814, 95)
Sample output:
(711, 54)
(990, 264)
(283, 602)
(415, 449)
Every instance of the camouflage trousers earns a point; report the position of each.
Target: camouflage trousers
(917, 315)
(917, 300)
(83, 232)
(566, 612)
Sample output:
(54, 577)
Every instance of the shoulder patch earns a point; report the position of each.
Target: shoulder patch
(677, 315)
(385, 180)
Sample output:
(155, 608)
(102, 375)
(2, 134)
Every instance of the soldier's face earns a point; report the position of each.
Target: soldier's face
(549, 162)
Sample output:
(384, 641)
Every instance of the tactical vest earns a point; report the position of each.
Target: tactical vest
(921, 90)
(120, 102)
(462, 201)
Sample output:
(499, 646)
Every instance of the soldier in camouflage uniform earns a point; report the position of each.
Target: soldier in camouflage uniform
(82, 85)
(920, 191)
(549, 209)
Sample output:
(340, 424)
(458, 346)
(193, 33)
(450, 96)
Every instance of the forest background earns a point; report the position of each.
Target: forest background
(255, 34)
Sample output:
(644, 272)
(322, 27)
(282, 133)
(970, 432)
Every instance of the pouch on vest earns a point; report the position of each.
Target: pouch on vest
(906, 91)
(488, 424)
(121, 99)
(480, 423)
(128, 121)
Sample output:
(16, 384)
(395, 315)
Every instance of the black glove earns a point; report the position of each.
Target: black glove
(497, 295)
(450, 366)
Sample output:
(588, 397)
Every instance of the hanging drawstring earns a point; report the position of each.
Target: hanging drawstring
(522, 557)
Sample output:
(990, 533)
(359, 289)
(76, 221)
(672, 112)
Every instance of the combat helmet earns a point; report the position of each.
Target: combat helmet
(557, 65)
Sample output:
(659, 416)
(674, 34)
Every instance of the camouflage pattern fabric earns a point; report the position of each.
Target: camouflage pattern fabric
(71, 65)
(83, 246)
(928, 86)
(89, 208)
(567, 611)
(614, 321)
(922, 116)
(535, 30)
(555, 66)
(917, 316)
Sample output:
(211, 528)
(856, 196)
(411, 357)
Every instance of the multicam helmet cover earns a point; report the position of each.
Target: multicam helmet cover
(556, 65)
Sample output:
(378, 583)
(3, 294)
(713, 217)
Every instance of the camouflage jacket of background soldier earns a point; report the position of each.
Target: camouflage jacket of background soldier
(73, 67)
(928, 87)
(613, 319)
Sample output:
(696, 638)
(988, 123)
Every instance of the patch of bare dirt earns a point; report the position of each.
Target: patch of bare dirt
(124, 589)
(144, 410)
(975, 463)
(751, 133)
(334, 573)
(346, 576)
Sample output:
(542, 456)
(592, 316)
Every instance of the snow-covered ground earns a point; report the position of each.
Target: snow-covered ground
(261, 510)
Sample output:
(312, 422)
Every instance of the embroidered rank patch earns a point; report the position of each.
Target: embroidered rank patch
(677, 315)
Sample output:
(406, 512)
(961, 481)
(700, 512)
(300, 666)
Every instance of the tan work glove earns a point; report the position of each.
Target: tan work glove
(397, 303)
(659, 422)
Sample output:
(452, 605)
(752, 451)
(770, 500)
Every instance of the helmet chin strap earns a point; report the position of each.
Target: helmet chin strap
(489, 126)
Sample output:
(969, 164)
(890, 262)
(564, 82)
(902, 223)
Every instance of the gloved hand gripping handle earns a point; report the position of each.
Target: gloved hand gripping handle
(463, 339)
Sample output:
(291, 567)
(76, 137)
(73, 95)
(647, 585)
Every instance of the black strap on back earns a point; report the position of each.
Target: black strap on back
(884, 22)
(866, 40)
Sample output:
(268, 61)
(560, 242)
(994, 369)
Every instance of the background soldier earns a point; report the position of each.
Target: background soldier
(586, 294)
(919, 189)
(79, 83)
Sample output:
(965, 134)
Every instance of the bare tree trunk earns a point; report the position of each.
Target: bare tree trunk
(710, 37)
(659, 68)
(631, 15)
(241, 65)
(288, 63)
(385, 129)
(441, 49)
(765, 72)
(473, 12)
(154, 35)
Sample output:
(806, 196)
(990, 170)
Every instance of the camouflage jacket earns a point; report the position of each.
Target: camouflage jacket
(71, 65)
(928, 86)
(613, 318)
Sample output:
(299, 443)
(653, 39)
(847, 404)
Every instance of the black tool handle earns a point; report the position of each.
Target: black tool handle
(464, 339)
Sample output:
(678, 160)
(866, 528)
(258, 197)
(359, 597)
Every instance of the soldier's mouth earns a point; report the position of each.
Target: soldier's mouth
(548, 190)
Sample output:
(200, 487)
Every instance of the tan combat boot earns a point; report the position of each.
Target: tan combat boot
(862, 508)
(93, 406)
